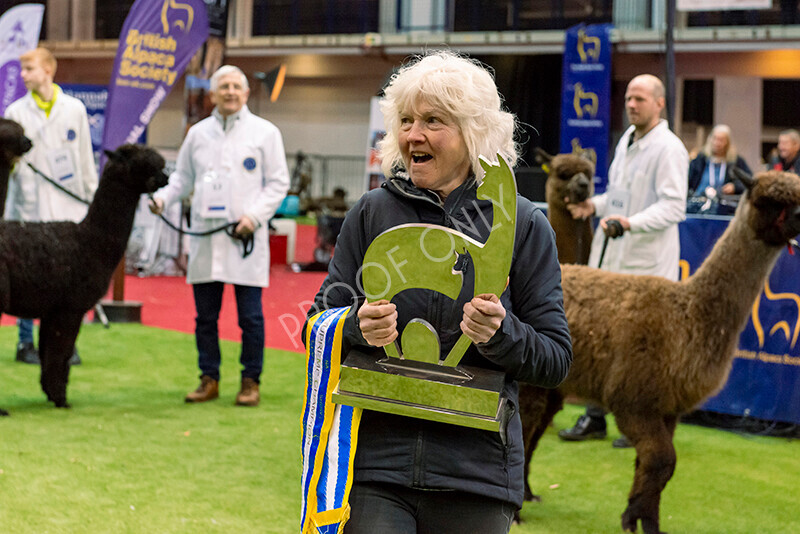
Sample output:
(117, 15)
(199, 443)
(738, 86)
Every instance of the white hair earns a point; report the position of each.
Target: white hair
(792, 134)
(731, 153)
(462, 88)
(224, 71)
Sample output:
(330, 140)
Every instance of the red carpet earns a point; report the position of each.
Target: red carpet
(167, 302)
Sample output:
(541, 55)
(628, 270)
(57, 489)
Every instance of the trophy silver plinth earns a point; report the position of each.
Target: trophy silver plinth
(466, 396)
(414, 380)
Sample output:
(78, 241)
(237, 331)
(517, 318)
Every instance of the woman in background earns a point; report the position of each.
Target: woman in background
(713, 166)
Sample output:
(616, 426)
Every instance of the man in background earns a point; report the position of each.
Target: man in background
(646, 196)
(234, 166)
(58, 126)
(788, 152)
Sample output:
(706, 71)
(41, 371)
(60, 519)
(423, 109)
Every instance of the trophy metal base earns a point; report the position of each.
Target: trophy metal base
(465, 396)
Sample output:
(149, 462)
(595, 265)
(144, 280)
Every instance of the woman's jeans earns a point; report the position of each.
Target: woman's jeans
(394, 509)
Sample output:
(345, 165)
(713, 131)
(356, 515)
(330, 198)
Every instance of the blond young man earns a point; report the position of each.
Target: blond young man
(58, 126)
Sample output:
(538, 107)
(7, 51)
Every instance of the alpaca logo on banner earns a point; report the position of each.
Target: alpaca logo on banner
(787, 302)
(586, 94)
(19, 33)
(584, 102)
(156, 43)
(172, 8)
(773, 331)
(585, 53)
(16, 40)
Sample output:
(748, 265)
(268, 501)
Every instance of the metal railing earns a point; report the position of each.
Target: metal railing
(329, 172)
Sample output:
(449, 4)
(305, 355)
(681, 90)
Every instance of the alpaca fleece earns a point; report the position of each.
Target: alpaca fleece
(571, 177)
(13, 144)
(57, 271)
(650, 349)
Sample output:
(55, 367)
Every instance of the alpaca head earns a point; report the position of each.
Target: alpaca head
(570, 176)
(772, 206)
(138, 167)
(13, 142)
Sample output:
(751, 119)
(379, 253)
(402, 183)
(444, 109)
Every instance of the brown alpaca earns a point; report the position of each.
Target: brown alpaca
(569, 177)
(650, 349)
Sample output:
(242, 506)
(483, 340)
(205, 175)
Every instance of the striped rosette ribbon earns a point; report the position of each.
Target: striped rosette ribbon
(330, 431)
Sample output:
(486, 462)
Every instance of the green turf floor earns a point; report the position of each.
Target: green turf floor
(131, 457)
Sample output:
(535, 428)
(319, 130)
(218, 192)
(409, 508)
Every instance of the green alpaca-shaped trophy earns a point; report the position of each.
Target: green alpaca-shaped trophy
(414, 380)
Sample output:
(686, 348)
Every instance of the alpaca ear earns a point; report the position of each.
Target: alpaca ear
(113, 155)
(743, 177)
(542, 157)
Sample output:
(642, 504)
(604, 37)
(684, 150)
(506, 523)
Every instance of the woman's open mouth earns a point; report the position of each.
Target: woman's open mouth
(420, 157)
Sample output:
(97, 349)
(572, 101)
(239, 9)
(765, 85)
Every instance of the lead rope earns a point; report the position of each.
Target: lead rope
(248, 242)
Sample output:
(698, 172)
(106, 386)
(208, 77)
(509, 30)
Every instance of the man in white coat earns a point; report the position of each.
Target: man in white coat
(647, 188)
(234, 166)
(58, 126)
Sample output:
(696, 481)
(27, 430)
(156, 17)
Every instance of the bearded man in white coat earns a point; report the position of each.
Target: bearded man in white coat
(58, 126)
(234, 166)
(647, 188)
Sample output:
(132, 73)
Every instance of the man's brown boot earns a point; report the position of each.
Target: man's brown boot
(249, 395)
(206, 391)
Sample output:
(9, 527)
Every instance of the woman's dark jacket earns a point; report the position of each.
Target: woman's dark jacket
(698, 165)
(532, 345)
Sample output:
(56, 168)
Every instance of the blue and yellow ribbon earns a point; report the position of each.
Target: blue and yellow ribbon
(330, 431)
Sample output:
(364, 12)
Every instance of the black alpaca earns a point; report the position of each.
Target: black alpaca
(13, 144)
(57, 271)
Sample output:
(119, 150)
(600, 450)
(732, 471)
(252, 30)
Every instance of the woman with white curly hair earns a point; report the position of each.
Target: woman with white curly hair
(442, 111)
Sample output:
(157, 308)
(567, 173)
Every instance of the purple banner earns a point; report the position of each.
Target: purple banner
(19, 33)
(156, 43)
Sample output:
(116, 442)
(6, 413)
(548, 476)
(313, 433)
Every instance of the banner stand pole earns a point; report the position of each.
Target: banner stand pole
(117, 309)
(172, 31)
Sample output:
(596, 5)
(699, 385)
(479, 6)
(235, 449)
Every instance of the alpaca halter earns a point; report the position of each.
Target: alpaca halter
(790, 243)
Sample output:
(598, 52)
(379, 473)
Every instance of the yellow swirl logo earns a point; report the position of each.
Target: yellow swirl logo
(790, 333)
(176, 14)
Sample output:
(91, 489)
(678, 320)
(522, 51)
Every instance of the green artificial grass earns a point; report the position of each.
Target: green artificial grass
(131, 457)
(724, 483)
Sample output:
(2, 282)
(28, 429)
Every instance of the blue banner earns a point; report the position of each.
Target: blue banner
(586, 96)
(157, 41)
(764, 382)
(19, 33)
(94, 97)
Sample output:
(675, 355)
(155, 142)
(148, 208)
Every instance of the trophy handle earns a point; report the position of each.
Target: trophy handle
(458, 350)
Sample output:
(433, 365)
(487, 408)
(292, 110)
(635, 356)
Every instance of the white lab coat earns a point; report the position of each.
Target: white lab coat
(249, 154)
(31, 197)
(655, 171)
